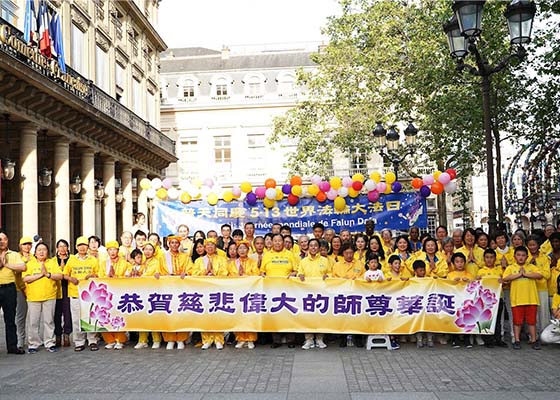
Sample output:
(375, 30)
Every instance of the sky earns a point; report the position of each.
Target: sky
(214, 23)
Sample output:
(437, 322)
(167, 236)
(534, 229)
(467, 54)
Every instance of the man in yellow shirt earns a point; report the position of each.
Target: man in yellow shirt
(81, 267)
(546, 247)
(126, 245)
(542, 261)
(10, 264)
(524, 296)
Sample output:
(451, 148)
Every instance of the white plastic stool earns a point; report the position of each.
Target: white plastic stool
(378, 341)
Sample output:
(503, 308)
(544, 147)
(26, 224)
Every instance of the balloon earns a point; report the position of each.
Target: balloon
(339, 204)
(172, 193)
(396, 187)
(375, 176)
(346, 181)
(451, 187)
(208, 182)
(184, 185)
(373, 196)
(417, 183)
(246, 187)
(343, 192)
(269, 203)
(196, 183)
(357, 186)
(336, 182)
(166, 183)
(452, 173)
(156, 183)
(387, 189)
(444, 178)
(437, 188)
(292, 199)
(313, 189)
(145, 184)
(286, 188)
(296, 181)
(436, 175)
(296, 190)
(260, 192)
(332, 194)
(236, 191)
(270, 183)
(425, 191)
(370, 185)
(321, 197)
(316, 179)
(185, 198)
(161, 193)
(428, 180)
(324, 186)
(353, 192)
(279, 194)
(305, 192)
(381, 187)
(151, 193)
(390, 177)
(194, 192)
(270, 193)
(251, 199)
(212, 199)
(227, 196)
(358, 177)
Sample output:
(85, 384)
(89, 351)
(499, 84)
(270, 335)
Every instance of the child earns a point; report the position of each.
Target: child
(524, 296)
(490, 270)
(460, 274)
(419, 267)
(542, 261)
(395, 271)
(137, 268)
(373, 274)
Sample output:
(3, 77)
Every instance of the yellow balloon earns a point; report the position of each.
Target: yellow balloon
(279, 194)
(246, 187)
(197, 183)
(388, 190)
(269, 203)
(437, 174)
(145, 183)
(336, 182)
(353, 193)
(339, 204)
(313, 189)
(375, 176)
(358, 177)
(161, 193)
(227, 196)
(296, 190)
(390, 177)
(212, 199)
(185, 198)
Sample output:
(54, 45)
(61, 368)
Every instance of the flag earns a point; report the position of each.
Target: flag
(30, 21)
(43, 25)
(56, 34)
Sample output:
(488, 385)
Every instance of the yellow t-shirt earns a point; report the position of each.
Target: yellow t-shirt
(405, 264)
(43, 288)
(360, 257)
(440, 270)
(248, 266)
(315, 267)
(486, 272)
(121, 268)
(219, 265)
(460, 274)
(478, 253)
(6, 274)
(186, 247)
(181, 263)
(542, 261)
(553, 279)
(555, 301)
(390, 275)
(79, 268)
(348, 270)
(523, 290)
(153, 266)
(124, 251)
(546, 247)
(278, 263)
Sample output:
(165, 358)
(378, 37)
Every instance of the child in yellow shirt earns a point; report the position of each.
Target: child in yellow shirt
(423, 338)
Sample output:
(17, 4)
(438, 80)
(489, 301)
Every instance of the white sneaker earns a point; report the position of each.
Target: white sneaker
(320, 344)
(170, 346)
(110, 346)
(141, 345)
(219, 346)
(479, 340)
(119, 346)
(308, 345)
(156, 345)
(180, 345)
(205, 346)
(239, 345)
(250, 345)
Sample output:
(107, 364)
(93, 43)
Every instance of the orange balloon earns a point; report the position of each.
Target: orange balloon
(321, 197)
(417, 183)
(437, 188)
(270, 183)
(296, 181)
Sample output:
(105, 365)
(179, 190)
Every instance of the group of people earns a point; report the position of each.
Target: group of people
(39, 292)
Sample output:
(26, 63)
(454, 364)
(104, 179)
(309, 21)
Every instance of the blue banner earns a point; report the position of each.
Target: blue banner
(393, 211)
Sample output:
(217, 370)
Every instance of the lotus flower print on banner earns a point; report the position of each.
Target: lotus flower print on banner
(99, 317)
(476, 312)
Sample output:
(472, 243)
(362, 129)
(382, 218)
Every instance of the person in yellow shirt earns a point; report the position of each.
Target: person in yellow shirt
(473, 253)
(126, 245)
(348, 267)
(154, 239)
(313, 266)
(504, 253)
(80, 267)
(402, 250)
(324, 251)
(459, 272)
(40, 278)
(289, 245)
(214, 235)
(249, 229)
(96, 250)
(542, 261)
(554, 264)
(420, 272)
(25, 244)
(436, 266)
(446, 252)
(546, 247)
(335, 253)
(361, 251)
(186, 243)
(524, 296)
(211, 264)
(115, 267)
(387, 238)
(62, 331)
(395, 271)
(375, 248)
(551, 334)
(258, 251)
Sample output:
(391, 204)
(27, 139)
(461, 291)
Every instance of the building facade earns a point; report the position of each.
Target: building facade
(80, 140)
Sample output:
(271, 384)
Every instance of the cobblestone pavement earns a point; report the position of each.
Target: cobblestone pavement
(265, 373)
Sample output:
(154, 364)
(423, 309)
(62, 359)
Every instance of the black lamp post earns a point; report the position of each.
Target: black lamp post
(387, 143)
(466, 21)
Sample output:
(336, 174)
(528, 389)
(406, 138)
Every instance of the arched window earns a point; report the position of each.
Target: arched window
(254, 85)
(187, 89)
(286, 85)
(221, 87)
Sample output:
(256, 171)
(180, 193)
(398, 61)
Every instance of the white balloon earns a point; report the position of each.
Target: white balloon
(451, 187)
(185, 185)
(151, 193)
(173, 193)
(343, 191)
(156, 183)
(270, 193)
(194, 192)
(370, 185)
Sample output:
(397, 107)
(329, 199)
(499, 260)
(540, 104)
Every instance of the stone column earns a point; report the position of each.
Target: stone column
(62, 190)
(127, 206)
(29, 185)
(88, 192)
(142, 198)
(110, 209)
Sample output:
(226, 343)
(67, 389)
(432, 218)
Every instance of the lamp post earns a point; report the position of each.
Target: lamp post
(463, 31)
(387, 143)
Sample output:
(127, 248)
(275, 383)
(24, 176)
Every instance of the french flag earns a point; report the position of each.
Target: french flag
(43, 23)
(30, 24)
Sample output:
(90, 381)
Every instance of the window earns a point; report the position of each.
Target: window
(151, 108)
(286, 85)
(9, 10)
(188, 89)
(78, 51)
(254, 86)
(188, 158)
(137, 97)
(120, 84)
(221, 88)
(358, 163)
(102, 69)
(222, 155)
(256, 154)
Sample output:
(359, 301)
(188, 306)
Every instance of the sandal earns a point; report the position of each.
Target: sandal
(79, 348)
(93, 347)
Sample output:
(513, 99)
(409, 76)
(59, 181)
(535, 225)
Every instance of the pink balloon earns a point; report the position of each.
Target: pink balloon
(346, 181)
(324, 186)
(236, 191)
(381, 187)
(428, 179)
(260, 192)
(373, 195)
(166, 183)
(332, 194)
(316, 179)
(444, 178)
(208, 182)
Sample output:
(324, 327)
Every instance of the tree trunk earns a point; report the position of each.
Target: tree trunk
(441, 200)
(497, 144)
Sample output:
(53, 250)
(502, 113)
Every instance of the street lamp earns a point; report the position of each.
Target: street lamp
(8, 169)
(45, 177)
(99, 190)
(76, 185)
(468, 16)
(387, 143)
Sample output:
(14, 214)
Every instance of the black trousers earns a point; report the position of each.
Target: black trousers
(62, 311)
(8, 301)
